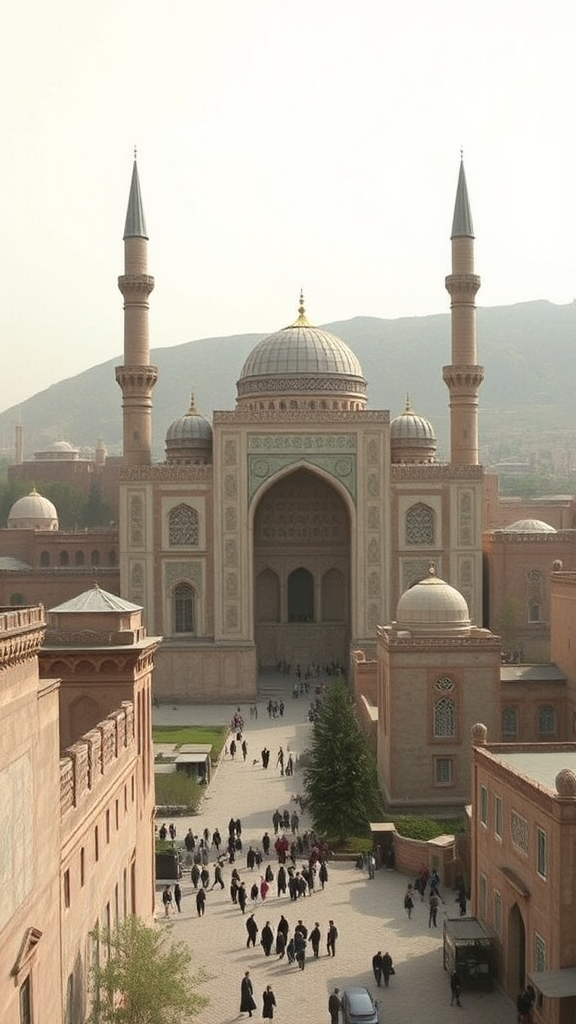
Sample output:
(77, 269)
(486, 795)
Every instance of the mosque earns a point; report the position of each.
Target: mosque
(286, 530)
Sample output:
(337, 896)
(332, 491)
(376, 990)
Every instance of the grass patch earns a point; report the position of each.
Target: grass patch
(179, 734)
(177, 790)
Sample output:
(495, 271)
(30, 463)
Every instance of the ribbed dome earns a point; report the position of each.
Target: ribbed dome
(412, 437)
(529, 526)
(58, 451)
(189, 438)
(304, 361)
(33, 512)
(433, 608)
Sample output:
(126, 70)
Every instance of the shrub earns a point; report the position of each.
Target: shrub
(412, 826)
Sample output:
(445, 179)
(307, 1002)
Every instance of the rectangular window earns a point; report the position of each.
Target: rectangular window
(26, 1002)
(483, 805)
(96, 845)
(107, 826)
(444, 771)
(498, 913)
(498, 817)
(542, 853)
(67, 889)
(482, 893)
(82, 867)
(125, 799)
(539, 953)
(117, 815)
(519, 832)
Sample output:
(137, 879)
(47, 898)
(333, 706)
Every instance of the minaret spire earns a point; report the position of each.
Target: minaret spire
(136, 377)
(463, 377)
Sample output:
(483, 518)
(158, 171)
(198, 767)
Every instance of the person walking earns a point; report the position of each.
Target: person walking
(334, 1005)
(201, 902)
(377, 967)
(300, 948)
(268, 1003)
(218, 879)
(241, 897)
(178, 897)
(244, 749)
(315, 938)
(252, 929)
(331, 937)
(455, 988)
(247, 1003)
(387, 968)
(167, 901)
(434, 904)
(267, 938)
(409, 900)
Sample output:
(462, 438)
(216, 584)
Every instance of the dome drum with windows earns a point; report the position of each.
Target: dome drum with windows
(301, 367)
(189, 439)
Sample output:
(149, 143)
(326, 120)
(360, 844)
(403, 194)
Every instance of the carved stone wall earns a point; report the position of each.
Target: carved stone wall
(270, 453)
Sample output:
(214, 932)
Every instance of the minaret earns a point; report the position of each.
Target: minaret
(463, 377)
(137, 377)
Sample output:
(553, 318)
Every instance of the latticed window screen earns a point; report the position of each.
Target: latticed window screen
(420, 524)
(519, 831)
(509, 722)
(546, 720)
(183, 525)
(444, 718)
(183, 609)
(444, 771)
(444, 684)
(497, 913)
(539, 953)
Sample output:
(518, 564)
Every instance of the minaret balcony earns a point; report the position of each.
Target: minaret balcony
(462, 284)
(463, 378)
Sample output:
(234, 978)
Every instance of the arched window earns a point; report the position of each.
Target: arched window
(534, 594)
(267, 597)
(184, 609)
(64, 558)
(79, 558)
(534, 612)
(300, 596)
(183, 526)
(95, 558)
(45, 559)
(509, 722)
(420, 524)
(444, 718)
(546, 721)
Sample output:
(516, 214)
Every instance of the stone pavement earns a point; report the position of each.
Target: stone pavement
(369, 914)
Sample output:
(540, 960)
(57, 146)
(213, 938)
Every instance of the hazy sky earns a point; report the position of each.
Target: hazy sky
(281, 143)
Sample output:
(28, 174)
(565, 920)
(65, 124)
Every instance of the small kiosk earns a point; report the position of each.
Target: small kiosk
(469, 949)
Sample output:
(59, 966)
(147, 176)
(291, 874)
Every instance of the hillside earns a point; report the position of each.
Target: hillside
(528, 351)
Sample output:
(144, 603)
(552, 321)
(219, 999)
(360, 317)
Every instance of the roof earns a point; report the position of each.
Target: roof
(135, 226)
(466, 929)
(559, 984)
(539, 766)
(97, 600)
(8, 562)
(529, 526)
(531, 674)
(462, 223)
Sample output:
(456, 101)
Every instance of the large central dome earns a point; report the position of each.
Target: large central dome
(299, 367)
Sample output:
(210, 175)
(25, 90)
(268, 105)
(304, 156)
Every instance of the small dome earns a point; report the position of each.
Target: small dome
(479, 734)
(58, 451)
(33, 512)
(302, 360)
(189, 438)
(566, 783)
(529, 526)
(433, 608)
(412, 437)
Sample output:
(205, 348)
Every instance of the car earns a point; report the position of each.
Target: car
(358, 1007)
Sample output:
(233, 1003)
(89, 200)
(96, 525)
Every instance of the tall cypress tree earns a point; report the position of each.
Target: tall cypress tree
(341, 781)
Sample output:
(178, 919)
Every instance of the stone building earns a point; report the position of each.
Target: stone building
(286, 529)
(524, 867)
(76, 791)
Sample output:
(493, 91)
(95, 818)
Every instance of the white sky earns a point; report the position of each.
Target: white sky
(281, 143)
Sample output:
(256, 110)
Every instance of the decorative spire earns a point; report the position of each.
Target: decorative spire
(462, 223)
(192, 410)
(301, 320)
(135, 226)
(431, 569)
(408, 407)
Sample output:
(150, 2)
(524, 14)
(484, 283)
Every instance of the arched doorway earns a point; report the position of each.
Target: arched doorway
(516, 967)
(302, 573)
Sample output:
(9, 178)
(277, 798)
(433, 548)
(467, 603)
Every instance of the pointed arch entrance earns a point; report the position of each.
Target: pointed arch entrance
(302, 573)
(516, 967)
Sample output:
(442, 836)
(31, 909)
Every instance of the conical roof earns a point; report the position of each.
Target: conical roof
(97, 600)
(135, 226)
(462, 222)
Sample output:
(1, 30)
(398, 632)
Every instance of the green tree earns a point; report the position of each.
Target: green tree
(140, 976)
(341, 781)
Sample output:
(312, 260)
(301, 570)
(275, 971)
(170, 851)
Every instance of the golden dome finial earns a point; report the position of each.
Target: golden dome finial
(192, 408)
(301, 320)
(408, 403)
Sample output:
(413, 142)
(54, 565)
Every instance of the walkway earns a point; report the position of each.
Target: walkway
(369, 914)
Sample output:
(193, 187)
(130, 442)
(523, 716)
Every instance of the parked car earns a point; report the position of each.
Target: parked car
(358, 1007)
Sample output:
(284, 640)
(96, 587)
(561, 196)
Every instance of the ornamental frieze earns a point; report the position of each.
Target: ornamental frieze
(341, 467)
(314, 384)
(302, 442)
(176, 572)
(164, 472)
(433, 471)
(356, 417)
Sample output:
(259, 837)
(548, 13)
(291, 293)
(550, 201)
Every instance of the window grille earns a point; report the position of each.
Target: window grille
(420, 524)
(183, 526)
(519, 831)
(444, 718)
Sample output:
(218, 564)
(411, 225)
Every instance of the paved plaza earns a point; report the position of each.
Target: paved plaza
(369, 914)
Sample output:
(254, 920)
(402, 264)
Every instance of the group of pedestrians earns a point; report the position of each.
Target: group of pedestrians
(247, 1003)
